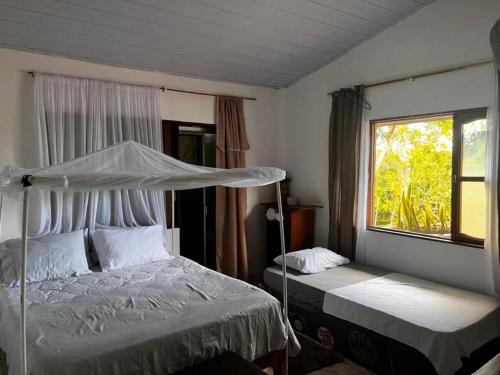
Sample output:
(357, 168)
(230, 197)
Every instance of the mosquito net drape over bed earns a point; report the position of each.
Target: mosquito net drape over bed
(127, 165)
(130, 165)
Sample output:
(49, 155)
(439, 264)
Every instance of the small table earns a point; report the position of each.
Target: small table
(225, 364)
(299, 229)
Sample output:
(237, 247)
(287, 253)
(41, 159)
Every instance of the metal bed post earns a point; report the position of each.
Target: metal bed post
(283, 267)
(24, 259)
(173, 222)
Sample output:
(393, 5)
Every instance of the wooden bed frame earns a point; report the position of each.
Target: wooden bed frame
(3, 363)
(274, 360)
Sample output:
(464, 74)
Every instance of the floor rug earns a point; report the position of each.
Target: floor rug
(311, 357)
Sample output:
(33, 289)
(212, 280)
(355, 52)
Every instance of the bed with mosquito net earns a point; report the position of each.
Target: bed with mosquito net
(149, 312)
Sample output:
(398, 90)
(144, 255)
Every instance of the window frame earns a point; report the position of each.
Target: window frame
(459, 117)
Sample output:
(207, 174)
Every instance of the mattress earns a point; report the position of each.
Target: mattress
(310, 289)
(150, 319)
(443, 323)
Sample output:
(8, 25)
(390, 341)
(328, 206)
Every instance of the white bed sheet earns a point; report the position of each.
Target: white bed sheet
(149, 319)
(442, 322)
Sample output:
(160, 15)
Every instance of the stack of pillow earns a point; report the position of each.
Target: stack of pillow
(65, 254)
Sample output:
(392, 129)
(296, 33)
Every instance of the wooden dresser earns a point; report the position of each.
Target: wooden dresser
(299, 229)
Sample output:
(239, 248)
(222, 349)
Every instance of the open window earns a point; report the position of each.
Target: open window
(427, 176)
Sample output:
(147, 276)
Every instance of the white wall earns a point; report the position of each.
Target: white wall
(290, 128)
(17, 126)
(443, 34)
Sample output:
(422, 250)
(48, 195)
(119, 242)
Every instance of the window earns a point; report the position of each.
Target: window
(427, 176)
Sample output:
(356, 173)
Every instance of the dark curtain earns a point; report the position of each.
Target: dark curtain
(344, 150)
(498, 165)
(495, 47)
(231, 203)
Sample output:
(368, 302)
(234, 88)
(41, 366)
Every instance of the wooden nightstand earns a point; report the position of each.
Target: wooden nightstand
(299, 229)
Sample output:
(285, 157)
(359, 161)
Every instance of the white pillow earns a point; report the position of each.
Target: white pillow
(312, 260)
(125, 247)
(49, 257)
(92, 253)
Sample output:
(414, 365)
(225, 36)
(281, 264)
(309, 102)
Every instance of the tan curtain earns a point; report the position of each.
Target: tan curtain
(231, 203)
(345, 132)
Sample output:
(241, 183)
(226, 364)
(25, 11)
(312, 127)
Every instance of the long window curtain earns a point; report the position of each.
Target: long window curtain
(344, 157)
(231, 203)
(363, 183)
(491, 242)
(77, 116)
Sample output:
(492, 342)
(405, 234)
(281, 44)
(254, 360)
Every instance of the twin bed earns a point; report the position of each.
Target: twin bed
(392, 323)
(152, 319)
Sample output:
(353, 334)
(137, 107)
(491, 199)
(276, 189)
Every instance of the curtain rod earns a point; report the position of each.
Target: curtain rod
(164, 89)
(426, 74)
(199, 93)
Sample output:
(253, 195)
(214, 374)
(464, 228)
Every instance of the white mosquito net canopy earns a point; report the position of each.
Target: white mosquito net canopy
(127, 165)
(130, 165)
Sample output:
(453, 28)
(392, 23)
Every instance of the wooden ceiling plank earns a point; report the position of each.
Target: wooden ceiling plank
(136, 62)
(139, 41)
(359, 8)
(95, 17)
(262, 14)
(270, 43)
(327, 16)
(103, 47)
(402, 7)
(244, 29)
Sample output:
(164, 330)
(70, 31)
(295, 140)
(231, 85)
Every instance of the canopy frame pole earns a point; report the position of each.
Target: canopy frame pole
(24, 260)
(173, 222)
(283, 268)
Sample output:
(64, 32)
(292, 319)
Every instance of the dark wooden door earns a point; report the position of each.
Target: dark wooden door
(195, 209)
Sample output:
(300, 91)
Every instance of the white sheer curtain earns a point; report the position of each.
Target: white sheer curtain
(492, 152)
(78, 116)
(364, 162)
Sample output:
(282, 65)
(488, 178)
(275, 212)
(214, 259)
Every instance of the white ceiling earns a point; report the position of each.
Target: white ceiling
(269, 43)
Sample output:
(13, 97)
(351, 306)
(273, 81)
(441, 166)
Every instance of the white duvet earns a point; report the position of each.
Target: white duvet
(150, 319)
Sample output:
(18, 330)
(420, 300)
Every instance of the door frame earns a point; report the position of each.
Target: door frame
(170, 132)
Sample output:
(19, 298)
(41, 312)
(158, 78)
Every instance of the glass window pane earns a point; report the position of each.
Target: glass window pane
(412, 176)
(209, 146)
(474, 148)
(189, 149)
(473, 209)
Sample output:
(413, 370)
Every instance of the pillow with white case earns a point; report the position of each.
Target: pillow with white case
(312, 260)
(49, 257)
(125, 247)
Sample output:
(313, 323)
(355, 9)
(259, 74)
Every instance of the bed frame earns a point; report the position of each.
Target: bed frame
(372, 350)
(274, 360)
(3, 363)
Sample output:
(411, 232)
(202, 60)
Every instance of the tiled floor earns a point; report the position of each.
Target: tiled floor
(343, 368)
